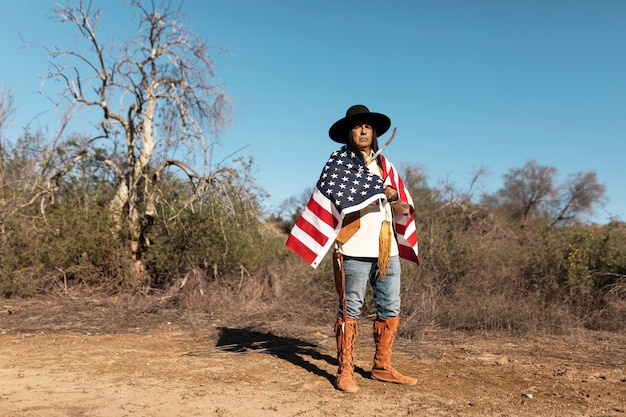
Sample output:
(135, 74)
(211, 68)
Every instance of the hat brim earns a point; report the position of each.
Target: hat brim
(339, 130)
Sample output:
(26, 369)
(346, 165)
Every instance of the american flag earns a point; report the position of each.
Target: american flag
(346, 186)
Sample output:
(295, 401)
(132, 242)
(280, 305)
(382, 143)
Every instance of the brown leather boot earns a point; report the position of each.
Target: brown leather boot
(345, 346)
(385, 331)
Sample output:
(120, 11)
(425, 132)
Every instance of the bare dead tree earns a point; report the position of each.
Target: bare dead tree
(156, 95)
(527, 190)
(29, 170)
(6, 109)
(531, 192)
(580, 193)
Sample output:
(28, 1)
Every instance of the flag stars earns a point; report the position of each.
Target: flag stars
(346, 181)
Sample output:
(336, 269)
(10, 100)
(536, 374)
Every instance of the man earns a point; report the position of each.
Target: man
(361, 206)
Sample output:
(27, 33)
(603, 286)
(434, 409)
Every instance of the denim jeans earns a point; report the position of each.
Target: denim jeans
(360, 271)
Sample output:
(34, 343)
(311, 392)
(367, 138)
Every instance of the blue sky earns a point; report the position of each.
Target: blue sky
(468, 84)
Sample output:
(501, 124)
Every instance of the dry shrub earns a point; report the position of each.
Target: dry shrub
(612, 315)
(286, 291)
(421, 301)
(197, 290)
(480, 274)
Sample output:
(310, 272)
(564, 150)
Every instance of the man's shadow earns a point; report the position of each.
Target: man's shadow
(292, 350)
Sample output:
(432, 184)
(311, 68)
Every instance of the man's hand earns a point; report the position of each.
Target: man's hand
(398, 206)
(391, 193)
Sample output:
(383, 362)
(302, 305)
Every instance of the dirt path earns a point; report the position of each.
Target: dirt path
(172, 373)
(231, 371)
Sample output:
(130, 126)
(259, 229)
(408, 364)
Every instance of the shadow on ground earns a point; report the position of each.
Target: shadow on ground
(293, 350)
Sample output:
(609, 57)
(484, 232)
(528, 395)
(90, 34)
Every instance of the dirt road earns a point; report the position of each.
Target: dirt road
(224, 370)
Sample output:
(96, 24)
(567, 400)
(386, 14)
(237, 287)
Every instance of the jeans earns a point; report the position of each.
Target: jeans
(360, 271)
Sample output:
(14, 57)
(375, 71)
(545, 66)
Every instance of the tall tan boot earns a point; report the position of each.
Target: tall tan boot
(385, 331)
(345, 346)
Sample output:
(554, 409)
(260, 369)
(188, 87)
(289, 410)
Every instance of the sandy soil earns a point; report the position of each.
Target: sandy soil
(169, 367)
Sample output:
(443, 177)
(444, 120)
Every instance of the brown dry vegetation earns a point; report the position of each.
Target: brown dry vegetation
(83, 355)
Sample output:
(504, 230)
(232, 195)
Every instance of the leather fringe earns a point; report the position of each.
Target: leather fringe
(384, 249)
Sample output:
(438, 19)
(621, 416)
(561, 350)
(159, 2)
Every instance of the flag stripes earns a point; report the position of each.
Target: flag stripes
(315, 231)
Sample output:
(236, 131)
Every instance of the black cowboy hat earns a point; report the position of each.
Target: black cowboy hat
(358, 114)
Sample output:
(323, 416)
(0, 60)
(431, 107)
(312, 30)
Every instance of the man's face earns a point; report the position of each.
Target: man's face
(363, 135)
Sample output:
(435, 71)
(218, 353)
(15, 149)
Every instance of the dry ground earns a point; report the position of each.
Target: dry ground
(87, 359)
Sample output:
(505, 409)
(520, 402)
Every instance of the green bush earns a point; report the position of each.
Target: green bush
(70, 246)
(221, 244)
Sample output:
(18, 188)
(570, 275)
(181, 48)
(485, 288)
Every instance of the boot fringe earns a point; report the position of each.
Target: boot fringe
(345, 332)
